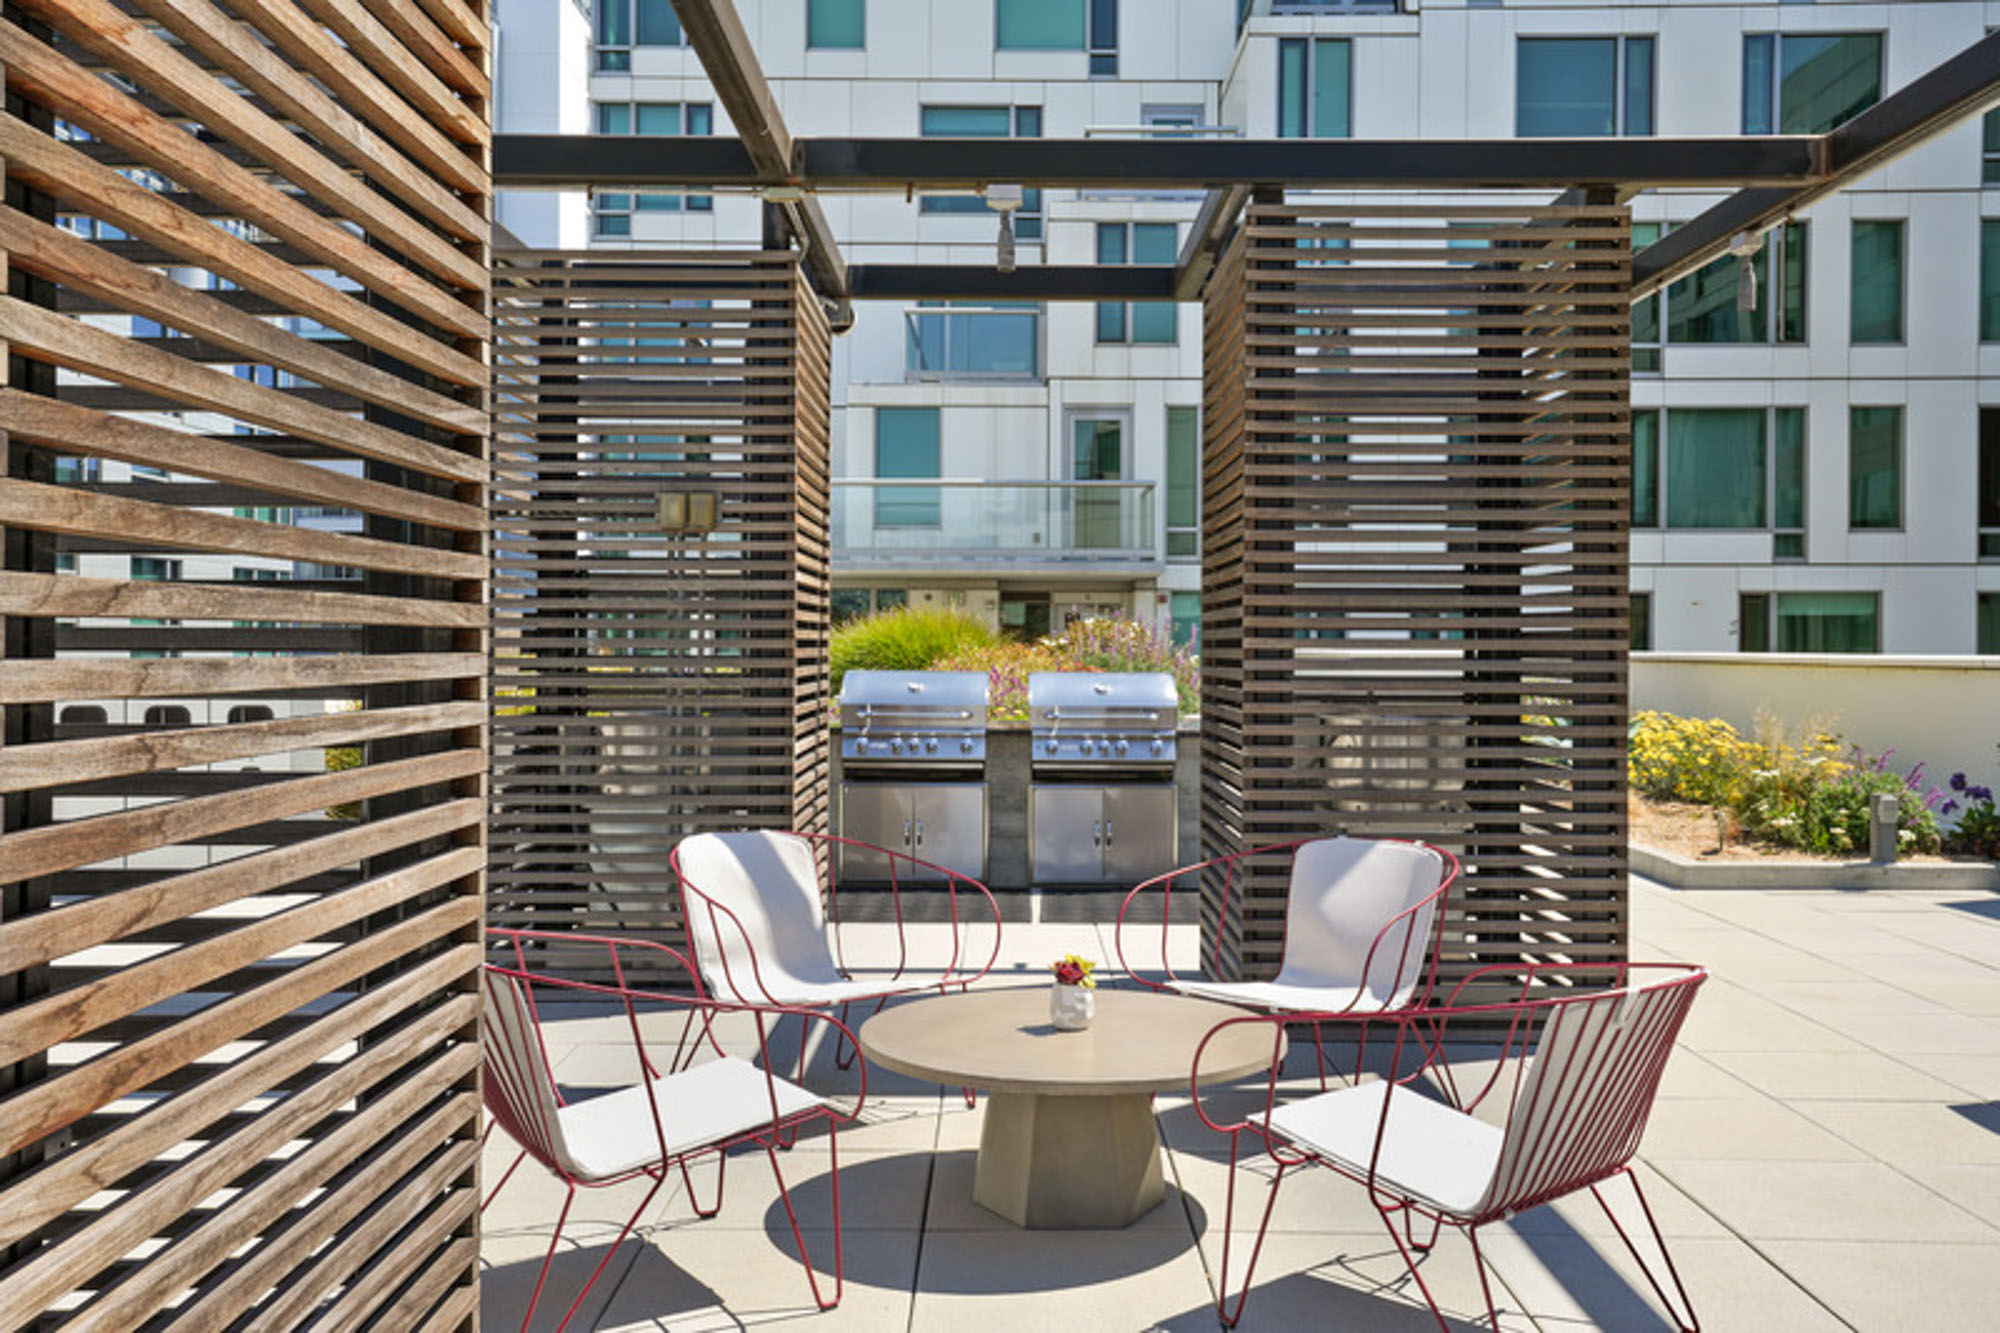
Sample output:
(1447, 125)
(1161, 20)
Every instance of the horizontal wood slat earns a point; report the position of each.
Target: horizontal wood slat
(656, 684)
(1416, 476)
(244, 446)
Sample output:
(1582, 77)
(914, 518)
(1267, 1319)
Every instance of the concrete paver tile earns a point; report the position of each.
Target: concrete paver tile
(1876, 1284)
(1821, 1201)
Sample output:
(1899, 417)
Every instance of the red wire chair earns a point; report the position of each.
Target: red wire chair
(1574, 1073)
(681, 1109)
(1363, 920)
(763, 914)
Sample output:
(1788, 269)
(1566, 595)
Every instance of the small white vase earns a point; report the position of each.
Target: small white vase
(1071, 1007)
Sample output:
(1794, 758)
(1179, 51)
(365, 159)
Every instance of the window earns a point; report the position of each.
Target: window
(1183, 482)
(1809, 622)
(79, 469)
(624, 24)
(1788, 485)
(1989, 148)
(614, 210)
(1038, 25)
(153, 569)
(1640, 618)
(1136, 243)
(1875, 467)
(985, 122)
(1989, 483)
(83, 715)
(251, 713)
(1718, 468)
(1877, 274)
(1807, 83)
(906, 445)
(1097, 453)
(169, 715)
(1987, 642)
(836, 24)
(972, 340)
(1704, 306)
(1315, 88)
(1568, 87)
(1103, 39)
(1989, 278)
(1185, 610)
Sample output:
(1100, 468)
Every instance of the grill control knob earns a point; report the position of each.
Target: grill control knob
(1121, 748)
(1158, 745)
(860, 745)
(895, 747)
(930, 745)
(965, 745)
(1053, 745)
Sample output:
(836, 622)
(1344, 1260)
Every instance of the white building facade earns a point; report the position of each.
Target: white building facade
(1817, 461)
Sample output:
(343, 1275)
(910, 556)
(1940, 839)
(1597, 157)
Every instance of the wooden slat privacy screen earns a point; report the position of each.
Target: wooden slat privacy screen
(660, 572)
(1416, 473)
(243, 504)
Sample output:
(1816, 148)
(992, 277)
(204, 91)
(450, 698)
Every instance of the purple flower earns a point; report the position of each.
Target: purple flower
(1948, 807)
(1979, 793)
(1958, 782)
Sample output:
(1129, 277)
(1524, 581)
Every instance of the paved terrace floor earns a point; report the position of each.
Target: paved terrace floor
(1825, 1155)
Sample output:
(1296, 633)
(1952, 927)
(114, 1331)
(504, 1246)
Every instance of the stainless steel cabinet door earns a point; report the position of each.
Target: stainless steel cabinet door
(1140, 832)
(949, 828)
(875, 812)
(1065, 834)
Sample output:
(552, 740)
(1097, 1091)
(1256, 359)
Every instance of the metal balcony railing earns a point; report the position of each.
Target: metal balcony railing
(959, 523)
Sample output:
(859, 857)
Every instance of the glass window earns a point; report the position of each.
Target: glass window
(1185, 608)
(1137, 243)
(1753, 622)
(1875, 467)
(974, 341)
(1826, 622)
(1987, 642)
(1877, 272)
(1103, 39)
(624, 24)
(1039, 25)
(614, 209)
(849, 604)
(985, 122)
(1184, 482)
(906, 445)
(1646, 313)
(1788, 484)
(1569, 87)
(1716, 468)
(1989, 278)
(1097, 453)
(1989, 148)
(1315, 88)
(1645, 469)
(1807, 83)
(1989, 483)
(1705, 306)
(841, 24)
(1641, 621)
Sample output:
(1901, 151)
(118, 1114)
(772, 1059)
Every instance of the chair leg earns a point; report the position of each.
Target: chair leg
(1319, 1054)
(1223, 1312)
(687, 1178)
(1410, 1259)
(542, 1278)
(1687, 1324)
(602, 1264)
(1485, 1281)
(798, 1235)
(505, 1176)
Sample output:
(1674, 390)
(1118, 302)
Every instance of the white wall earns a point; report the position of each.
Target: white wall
(1944, 711)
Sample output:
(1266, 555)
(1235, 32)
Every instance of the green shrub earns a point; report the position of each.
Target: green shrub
(904, 639)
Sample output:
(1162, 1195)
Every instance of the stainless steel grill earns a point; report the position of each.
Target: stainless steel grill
(913, 769)
(1102, 805)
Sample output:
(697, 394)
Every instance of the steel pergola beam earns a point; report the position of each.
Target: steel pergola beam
(896, 165)
(765, 145)
(1926, 106)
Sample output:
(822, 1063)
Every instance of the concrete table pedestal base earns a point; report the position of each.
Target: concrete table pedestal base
(1072, 1162)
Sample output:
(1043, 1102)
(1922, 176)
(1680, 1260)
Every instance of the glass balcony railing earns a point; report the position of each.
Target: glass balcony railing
(950, 523)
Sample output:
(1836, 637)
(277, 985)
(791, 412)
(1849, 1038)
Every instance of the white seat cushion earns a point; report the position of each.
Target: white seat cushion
(1430, 1152)
(613, 1134)
(1272, 995)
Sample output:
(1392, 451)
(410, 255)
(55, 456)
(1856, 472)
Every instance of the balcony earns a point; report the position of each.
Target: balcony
(964, 525)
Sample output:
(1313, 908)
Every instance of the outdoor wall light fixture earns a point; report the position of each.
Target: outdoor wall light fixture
(1004, 199)
(688, 513)
(1745, 246)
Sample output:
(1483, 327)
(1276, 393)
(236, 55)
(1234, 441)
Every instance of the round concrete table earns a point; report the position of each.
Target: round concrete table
(1069, 1139)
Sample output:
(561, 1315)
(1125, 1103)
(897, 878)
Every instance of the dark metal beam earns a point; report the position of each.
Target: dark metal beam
(1928, 105)
(723, 47)
(976, 282)
(877, 165)
(1212, 225)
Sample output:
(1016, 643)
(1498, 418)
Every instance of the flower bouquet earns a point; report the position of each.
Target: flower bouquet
(1072, 1003)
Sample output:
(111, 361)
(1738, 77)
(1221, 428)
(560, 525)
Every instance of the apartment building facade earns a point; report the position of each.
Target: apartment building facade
(1816, 444)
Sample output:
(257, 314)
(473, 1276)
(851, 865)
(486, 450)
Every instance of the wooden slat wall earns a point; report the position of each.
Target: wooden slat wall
(243, 771)
(1416, 473)
(648, 684)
